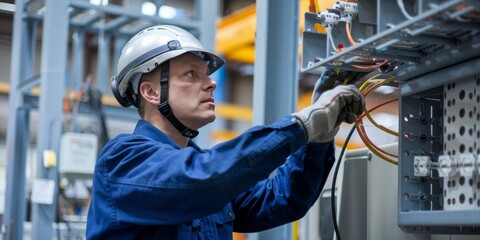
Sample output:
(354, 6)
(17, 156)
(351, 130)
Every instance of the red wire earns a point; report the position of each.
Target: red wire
(361, 129)
(371, 67)
(378, 106)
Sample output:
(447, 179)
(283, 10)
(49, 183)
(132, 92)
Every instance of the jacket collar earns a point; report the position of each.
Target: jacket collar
(146, 129)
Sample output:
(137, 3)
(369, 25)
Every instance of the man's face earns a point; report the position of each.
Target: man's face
(191, 91)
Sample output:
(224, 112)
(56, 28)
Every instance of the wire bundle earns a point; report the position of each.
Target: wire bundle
(367, 87)
(375, 63)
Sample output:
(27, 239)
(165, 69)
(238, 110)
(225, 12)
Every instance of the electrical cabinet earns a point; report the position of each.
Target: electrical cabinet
(439, 181)
(78, 154)
(432, 50)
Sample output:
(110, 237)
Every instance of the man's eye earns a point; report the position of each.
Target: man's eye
(189, 74)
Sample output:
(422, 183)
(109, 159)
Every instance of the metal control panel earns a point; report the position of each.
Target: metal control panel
(432, 49)
(439, 147)
(437, 34)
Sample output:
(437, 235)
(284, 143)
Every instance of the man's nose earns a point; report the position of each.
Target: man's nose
(212, 85)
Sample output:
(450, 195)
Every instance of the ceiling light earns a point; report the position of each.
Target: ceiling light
(99, 2)
(149, 8)
(167, 12)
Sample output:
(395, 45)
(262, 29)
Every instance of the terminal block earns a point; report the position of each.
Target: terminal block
(348, 10)
(329, 18)
(422, 166)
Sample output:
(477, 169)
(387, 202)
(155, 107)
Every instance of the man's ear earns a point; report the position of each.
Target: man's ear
(150, 92)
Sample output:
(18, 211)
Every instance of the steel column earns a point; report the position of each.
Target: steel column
(78, 59)
(276, 61)
(103, 80)
(275, 72)
(52, 72)
(15, 194)
(22, 61)
(207, 12)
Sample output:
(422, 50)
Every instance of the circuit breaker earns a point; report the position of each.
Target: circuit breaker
(432, 50)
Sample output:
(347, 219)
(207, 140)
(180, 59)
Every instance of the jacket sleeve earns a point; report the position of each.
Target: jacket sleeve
(289, 194)
(146, 182)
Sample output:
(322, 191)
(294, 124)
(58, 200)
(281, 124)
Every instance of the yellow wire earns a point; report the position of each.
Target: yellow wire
(365, 140)
(370, 146)
(367, 113)
(373, 149)
(368, 82)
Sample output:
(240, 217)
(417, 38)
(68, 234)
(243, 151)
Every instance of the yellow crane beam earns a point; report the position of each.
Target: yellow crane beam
(235, 37)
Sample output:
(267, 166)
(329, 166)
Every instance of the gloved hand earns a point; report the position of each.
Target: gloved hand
(322, 118)
(331, 78)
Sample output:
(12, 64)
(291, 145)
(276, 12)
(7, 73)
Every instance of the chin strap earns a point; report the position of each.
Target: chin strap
(165, 108)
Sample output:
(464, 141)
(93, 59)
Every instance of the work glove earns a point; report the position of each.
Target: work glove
(321, 119)
(331, 78)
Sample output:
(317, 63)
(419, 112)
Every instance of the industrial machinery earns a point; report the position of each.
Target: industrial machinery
(430, 50)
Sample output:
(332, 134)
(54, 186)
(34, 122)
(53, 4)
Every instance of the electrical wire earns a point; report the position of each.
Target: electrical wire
(363, 134)
(370, 67)
(348, 27)
(330, 38)
(349, 34)
(364, 131)
(95, 102)
(381, 127)
(403, 10)
(359, 123)
(335, 175)
(373, 147)
(378, 106)
(334, 181)
(367, 113)
(366, 90)
(368, 82)
(356, 126)
(348, 30)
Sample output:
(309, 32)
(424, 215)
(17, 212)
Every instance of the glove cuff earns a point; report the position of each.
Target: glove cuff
(300, 121)
(313, 120)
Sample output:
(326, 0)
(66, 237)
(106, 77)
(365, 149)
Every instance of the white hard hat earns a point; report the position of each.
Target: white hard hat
(147, 50)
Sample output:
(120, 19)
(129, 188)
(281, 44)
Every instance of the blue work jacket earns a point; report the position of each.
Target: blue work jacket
(146, 187)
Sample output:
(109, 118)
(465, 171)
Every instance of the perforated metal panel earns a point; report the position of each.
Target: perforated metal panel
(461, 144)
(439, 183)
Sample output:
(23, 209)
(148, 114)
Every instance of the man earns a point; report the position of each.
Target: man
(157, 184)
